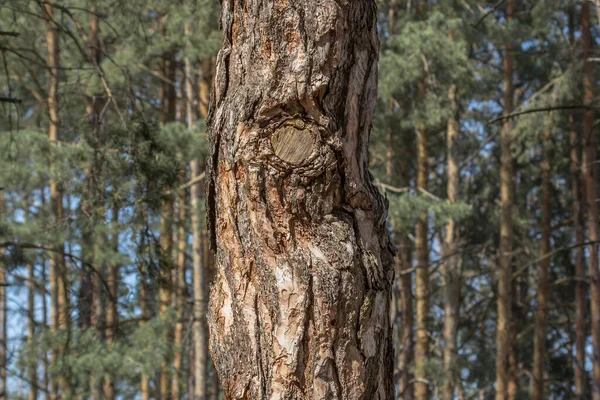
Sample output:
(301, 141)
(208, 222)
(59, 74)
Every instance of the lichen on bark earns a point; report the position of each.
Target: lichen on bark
(300, 305)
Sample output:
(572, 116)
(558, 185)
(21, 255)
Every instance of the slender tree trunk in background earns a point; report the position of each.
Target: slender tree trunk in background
(31, 288)
(543, 290)
(58, 271)
(180, 298)
(579, 233)
(300, 305)
(452, 273)
(200, 336)
(405, 355)
(98, 310)
(404, 301)
(169, 102)
(144, 307)
(403, 306)
(45, 361)
(589, 174)
(3, 316)
(422, 273)
(204, 79)
(421, 386)
(112, 301)
(504, 275)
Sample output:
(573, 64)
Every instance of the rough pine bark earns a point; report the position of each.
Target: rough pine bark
(543, 290)
(300, 305)
(504, 274)
(452, 273)
(589, 174)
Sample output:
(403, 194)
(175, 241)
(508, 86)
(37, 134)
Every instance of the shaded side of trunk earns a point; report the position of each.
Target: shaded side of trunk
(452, 273)
(543, 290)
(301, 303)
(589, 175)
(504, 275)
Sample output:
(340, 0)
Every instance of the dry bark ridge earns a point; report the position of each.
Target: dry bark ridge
(300, 305)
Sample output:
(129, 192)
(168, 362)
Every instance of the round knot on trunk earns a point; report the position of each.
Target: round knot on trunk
(293, 142)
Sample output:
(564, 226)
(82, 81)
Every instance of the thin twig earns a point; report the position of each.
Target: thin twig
(543, 109)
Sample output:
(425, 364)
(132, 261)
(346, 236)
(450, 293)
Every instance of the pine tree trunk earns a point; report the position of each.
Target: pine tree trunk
(58, 271)
(589, 173)
(199, 270)
(3, 316)
(300, 305)
(144, 307)
(422, 272)
(112, 315)
(543, 291)
(33, 379)
(166, 228)
(504, 275)
(452, 273)
(180, 297)
(579, 233)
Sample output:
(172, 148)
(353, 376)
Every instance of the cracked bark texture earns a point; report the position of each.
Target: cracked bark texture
(300, 305)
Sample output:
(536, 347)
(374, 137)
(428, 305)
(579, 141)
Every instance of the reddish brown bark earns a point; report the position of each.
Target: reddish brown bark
(452, 272)
(589, 175)
(504, 275)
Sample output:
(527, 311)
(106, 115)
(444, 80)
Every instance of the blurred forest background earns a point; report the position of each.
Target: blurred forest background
(483, 144)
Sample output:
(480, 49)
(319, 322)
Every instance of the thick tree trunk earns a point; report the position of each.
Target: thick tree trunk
(452, 273)
(589, 173)
(504, 275)
(199, 274)
(300, 305)
(543, 290)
